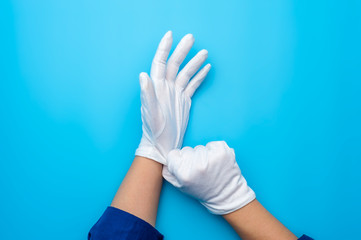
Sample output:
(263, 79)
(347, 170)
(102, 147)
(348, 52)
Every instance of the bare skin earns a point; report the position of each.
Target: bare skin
(139, 192)
(254, 222)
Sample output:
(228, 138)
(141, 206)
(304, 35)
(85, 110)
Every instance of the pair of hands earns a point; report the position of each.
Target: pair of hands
(209, 173)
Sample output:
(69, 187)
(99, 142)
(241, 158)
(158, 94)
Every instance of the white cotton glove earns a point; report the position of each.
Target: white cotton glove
(210, 174)
(166, 97)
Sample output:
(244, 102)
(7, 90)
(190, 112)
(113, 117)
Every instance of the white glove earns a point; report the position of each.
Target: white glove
(210, 174)
(166, 97)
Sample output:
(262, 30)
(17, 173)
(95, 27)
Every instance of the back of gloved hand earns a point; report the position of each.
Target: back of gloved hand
(210, 174)
(166, 97)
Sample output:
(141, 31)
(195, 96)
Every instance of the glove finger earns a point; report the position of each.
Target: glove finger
(148, 96)
(158, 68)
(172, 167)
(170, 177)
(221, 154)
(178, 56)
(197, 80)
(191, 68)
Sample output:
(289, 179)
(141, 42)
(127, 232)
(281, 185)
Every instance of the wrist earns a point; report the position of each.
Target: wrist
(254, 222)
(140, 189)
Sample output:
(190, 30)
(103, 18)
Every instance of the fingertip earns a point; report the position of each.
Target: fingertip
(189, 36)
(143, 75)
(203, 53)
(207, 67)
(168, 34)
(166, 41)
(143, 80)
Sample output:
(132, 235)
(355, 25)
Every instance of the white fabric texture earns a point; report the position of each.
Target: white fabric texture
(166, 97)
(210, 174)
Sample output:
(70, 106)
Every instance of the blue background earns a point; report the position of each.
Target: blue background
(284, 91)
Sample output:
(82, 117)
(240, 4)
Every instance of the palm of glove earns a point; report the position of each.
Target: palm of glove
(166, 97)
(166, 117)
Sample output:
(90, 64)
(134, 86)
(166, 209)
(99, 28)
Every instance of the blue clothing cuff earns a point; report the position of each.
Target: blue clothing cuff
(304, 237)
(119, 225)
(116, 224)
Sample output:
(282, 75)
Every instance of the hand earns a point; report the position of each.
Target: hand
(210, 174)
(166, 97)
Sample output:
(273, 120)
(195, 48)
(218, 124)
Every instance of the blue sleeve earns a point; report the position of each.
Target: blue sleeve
(304, 237)
(116, 224)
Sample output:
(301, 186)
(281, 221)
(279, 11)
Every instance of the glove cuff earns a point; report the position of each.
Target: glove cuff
(237, 199)
(149, 151)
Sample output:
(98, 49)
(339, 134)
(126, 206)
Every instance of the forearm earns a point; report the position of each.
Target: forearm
(254, 222)
(139, 192)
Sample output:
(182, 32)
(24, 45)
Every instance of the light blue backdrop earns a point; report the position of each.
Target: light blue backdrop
(284, 91)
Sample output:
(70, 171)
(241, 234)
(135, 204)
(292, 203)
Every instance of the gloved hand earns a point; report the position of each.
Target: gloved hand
(166, 97)
(210, 174)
